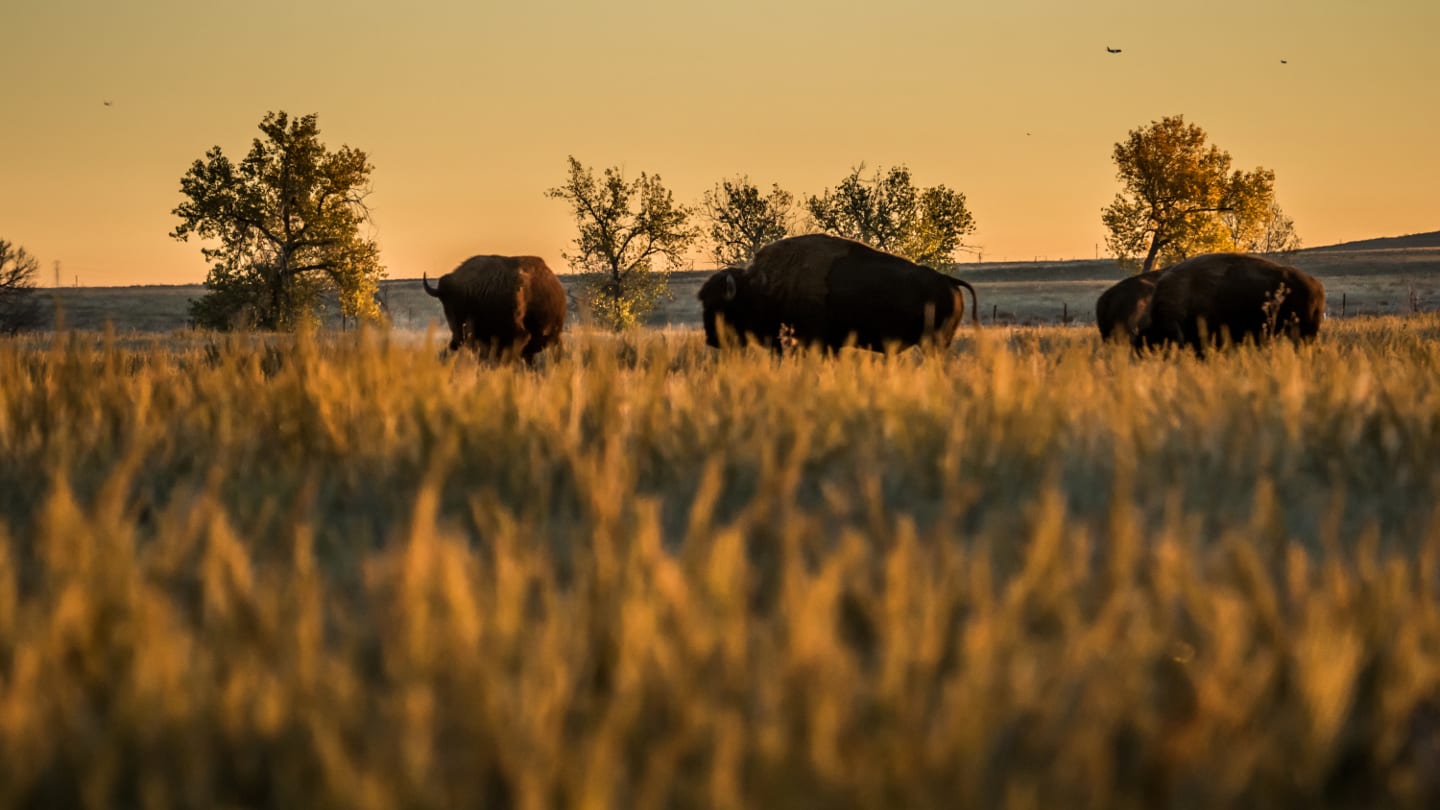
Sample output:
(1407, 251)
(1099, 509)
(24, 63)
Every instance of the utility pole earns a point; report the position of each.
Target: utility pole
(57, 274)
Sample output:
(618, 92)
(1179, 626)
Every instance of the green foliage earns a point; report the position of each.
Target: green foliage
(888, 212)
(1034, 572)
(743, 220)
(284, 225)
(19, 306)
(232, 298)
(1180, 199)
(625, 228)
(938, 229)
(624, 304)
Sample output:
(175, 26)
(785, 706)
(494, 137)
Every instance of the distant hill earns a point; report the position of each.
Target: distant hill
(1412, 241)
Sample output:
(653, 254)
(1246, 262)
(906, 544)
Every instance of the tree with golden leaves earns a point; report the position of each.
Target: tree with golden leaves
(1180, 198)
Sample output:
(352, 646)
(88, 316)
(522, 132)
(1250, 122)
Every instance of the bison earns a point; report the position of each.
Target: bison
(502, 305)
(1118, 310)
(1230, 297)
(827, 291)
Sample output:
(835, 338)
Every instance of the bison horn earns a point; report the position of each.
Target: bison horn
(730, 289)
(425, 280)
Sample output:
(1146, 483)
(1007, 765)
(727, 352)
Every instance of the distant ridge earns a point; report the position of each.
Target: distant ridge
(1414, 240)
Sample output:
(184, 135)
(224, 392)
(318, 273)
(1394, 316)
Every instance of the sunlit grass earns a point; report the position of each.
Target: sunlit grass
(1033, 572)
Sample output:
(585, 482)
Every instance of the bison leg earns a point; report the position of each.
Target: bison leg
(538, 344)
(462, 334)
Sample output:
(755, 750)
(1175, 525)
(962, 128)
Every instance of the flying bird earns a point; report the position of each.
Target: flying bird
(1109, 49)
(1284, 61)
(109, 103)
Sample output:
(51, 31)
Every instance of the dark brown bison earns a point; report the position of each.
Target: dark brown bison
(502, 305)
(1231, 297)
(1118, 310)
(829, 291)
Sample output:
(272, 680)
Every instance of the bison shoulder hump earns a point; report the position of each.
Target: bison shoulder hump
(488, 277)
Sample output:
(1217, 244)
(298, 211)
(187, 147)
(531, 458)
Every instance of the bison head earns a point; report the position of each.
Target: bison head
(458, 327)
(721, 299)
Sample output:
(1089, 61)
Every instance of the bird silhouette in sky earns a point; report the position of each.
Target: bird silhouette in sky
(109, 103)
(1109, 49)
(1284, 61)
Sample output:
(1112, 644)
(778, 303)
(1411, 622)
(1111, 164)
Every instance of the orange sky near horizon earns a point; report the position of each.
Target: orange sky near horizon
(468, 111)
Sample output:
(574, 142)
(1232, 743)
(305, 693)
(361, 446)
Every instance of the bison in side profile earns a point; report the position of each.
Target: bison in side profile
(829, 291)
(1118, 310)
(502, 305)
(1231, 297)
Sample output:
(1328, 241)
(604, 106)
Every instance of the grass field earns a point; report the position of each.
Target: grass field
(1033, 572)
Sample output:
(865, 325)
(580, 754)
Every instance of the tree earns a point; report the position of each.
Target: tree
(939, 229)
(742, 220)
(887, 212)
(1253, 220)
(1279, 235)
(286, 224)
(1180, 198)
(632, 233)
(19, 306)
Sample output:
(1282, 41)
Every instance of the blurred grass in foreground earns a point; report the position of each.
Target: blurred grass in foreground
(1035, 572)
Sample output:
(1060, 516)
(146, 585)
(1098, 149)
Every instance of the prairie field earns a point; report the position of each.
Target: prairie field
(1360, 280)
(1032, 571)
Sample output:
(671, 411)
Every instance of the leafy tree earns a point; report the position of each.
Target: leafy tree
(632, 233)
(1180, 199)
(743, 220)
(1253, 220)
(285, 223)
(19, 306)
(939, 229)
(887, 212)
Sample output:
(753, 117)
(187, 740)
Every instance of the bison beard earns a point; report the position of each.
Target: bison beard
(502, 306)
(1231, 297)
(827, 291)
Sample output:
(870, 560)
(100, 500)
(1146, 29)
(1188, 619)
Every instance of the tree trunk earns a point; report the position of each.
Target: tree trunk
(1155, 245)
(272, 317)
(280, 299)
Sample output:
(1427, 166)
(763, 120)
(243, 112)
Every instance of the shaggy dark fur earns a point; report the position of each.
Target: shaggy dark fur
(1118, 310)
(1231, 297)
(502, 305)
(827, 291)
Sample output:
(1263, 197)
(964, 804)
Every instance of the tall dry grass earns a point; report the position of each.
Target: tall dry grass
(1034, 572)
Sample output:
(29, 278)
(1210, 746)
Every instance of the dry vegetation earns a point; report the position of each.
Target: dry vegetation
(1035, 572)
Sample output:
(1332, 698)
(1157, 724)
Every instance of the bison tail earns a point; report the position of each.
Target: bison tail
(425, 281)
(974, 302)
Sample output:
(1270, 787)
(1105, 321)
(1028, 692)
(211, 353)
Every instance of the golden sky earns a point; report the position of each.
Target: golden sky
(469, 109)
